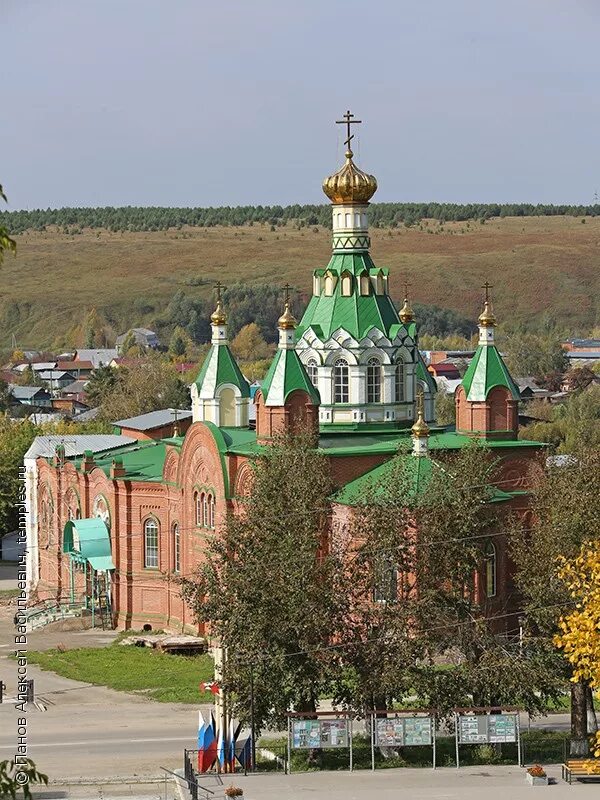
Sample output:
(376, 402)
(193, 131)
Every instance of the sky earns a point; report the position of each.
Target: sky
(232, 102)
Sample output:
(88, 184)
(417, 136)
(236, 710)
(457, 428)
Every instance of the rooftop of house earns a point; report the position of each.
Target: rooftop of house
(98, 356)
(583, 354)
(154, 419)
(75, 444)
(26, 392)
(77, 387)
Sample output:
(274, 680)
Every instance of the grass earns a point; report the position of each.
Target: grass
(536, 264)
(7, 593)
(139, 670)
(545, 747)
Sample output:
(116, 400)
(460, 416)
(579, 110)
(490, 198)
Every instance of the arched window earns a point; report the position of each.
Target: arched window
(385, 581)
(205, 510)
(399, 383)
(312, 371)
(346, 284)
(199, 502)
(489, 560)
(330, 280)
(211, 511)
(176, 548)
(151, 543)
(373, 381)
(340, 381)
(365, 284)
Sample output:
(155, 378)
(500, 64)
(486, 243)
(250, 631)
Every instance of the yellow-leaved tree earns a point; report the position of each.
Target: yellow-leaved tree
(579, 636)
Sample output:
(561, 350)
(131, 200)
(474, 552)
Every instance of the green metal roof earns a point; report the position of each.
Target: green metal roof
(143, 461)
(89, 539)
(373, 484)
(486, 371)
(220, 367)
(286, 375)
(356, 314)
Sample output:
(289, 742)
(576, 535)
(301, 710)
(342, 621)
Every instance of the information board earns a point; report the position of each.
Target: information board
(315, 733)
(487, 728)
(404, 731)
(502, 728)
(334, 733)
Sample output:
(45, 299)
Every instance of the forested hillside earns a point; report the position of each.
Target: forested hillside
(544, 270)
(131, 218)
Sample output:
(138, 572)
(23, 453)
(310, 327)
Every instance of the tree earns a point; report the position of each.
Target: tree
(93, 332)
(445, 408)
(180, 344)
(271, 594)
(565, 506)
(128, 344)
(11, 778)
(533, 354)
(249, 344)
(423, 531)
(15, 439)
(572, 425)
(579, 630)
(149, 385)
(6, 243)
(103, 381)
(29, 377)
(5, 395)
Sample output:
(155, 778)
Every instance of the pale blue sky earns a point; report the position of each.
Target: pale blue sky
(232, 102)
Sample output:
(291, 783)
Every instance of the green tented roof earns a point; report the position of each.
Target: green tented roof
(220, 367)
(286, 375)
(355, 314)
(89, 539)
(486, 371)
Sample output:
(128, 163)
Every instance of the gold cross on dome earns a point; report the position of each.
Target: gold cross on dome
(286, 292)
(407, 286)
(348, 121)
(487, 286)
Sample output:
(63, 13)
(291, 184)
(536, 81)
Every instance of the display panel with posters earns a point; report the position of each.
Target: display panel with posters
(490, 728)
(404, 731)
(334, 733)
(306, 734)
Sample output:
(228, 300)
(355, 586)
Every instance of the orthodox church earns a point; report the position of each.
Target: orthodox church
(112, 523)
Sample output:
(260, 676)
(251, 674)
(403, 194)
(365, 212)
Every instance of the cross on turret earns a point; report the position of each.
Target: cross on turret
(487, 286)
(219, 288)
(348, 121)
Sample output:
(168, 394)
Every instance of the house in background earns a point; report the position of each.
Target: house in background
(56, 379)
(143, 337)
(99, 357)
(75, 391)
(79, 369)
(35, 396)
(444, 369)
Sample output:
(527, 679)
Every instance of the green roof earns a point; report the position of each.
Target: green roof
(356, 314)
(286, 375)
(143, 461)
(486, 371)
(220, 367)
(373, 483)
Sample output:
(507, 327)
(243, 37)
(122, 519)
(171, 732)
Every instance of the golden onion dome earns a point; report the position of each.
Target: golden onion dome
(218, 317)
(350, 184)
(487, 318)
(287, 321)
(406, 313)
(420, 429)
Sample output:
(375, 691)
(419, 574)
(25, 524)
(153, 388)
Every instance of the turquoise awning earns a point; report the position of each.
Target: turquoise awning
(89, 539)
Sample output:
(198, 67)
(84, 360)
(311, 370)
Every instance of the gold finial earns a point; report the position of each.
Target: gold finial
(420, 429)
(487, 318)
(219, 317)
(349, 184)
(406, 313)
(287, 321)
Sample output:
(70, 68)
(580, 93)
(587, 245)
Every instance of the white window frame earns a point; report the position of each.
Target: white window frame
(151, 545)
(341, 381)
